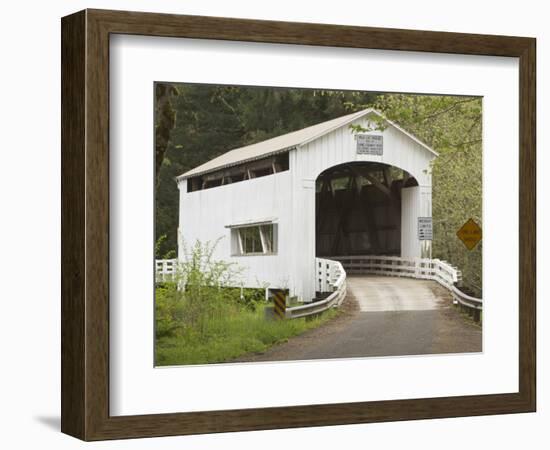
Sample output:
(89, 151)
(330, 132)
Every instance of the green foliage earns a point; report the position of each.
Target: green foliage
(452, 126)
(169, 309)
(165, 118)
(457, 196)
(209, 321)
(205, 297)
(442, 122)
(159, 245)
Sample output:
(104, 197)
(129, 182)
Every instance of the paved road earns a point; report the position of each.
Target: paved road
(385, 316)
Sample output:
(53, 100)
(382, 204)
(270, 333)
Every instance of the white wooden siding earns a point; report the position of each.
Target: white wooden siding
(415, 202)
(339, 146)
(205, 214)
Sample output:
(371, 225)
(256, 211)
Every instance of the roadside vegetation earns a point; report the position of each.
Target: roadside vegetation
(207, 321)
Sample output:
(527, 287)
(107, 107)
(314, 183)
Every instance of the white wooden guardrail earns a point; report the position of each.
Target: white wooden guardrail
(332, 273)
(423, 268)
(331, 278)
(165, 269)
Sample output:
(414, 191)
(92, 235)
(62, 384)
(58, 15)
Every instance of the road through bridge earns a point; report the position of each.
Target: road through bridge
(385, 316)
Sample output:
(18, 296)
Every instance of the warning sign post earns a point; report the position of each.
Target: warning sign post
(279, 303)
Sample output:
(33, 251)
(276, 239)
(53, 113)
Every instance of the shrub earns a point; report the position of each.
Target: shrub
(168, 309)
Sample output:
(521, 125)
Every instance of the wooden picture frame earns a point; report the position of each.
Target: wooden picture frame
(85, 224)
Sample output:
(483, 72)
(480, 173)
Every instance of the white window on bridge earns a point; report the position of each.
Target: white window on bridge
(257, 239)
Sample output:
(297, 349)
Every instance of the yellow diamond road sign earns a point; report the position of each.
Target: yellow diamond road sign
(469, 234)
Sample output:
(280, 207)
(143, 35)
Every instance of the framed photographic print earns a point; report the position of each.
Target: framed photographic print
(273, 225)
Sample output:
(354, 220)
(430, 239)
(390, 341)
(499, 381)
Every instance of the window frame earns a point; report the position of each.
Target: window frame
(238, 245)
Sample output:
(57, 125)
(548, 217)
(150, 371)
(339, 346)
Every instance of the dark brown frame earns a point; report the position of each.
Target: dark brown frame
(85, 224)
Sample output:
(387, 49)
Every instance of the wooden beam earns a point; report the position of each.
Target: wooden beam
(213, 176)
(319, 203)
(326, 187)
(246, 169)
(325, 184)
(374, 237)
(378, 184)
(357, 172)
(387, 176)
(344, 212)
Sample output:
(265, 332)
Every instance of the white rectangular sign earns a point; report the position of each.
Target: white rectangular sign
(370, 144)
(425, 229)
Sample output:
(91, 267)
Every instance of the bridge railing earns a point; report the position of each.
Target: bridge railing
(423, 268)
(165, 269)
(330, 274)
(331, 278)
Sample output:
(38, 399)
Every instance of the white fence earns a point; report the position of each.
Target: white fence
(423, 268)
(165, 269)
(332, 273)
(331, 278)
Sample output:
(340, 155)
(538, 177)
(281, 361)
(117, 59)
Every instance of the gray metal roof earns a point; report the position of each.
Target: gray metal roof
(283, 143)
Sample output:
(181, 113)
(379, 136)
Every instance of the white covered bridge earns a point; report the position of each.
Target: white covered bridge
(356, 190)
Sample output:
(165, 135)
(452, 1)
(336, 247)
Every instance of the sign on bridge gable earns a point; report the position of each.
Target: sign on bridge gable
(370, 144)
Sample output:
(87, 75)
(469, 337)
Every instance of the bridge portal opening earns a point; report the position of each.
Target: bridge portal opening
(358, 209)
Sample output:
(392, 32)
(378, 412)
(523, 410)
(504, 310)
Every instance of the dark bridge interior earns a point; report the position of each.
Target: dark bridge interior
(358, 209)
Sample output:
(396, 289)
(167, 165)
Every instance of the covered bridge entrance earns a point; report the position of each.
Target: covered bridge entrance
(358, 209)
(354, 185)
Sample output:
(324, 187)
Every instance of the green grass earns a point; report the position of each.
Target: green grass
(227, 338)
